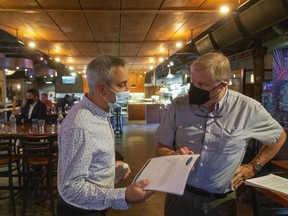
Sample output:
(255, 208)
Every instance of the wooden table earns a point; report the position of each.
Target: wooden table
(280, 198)
(280, 163)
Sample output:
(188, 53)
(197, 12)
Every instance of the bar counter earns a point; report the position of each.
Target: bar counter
(150, 112)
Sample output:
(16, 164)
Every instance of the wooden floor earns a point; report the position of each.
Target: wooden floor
(136, 144)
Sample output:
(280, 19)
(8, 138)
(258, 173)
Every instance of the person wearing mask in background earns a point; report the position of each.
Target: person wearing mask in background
(48, 103)
(86, 166)
(216, 123)
(33, 108)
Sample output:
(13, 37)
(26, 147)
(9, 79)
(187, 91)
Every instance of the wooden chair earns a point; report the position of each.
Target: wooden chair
(9, 167)
(39, 159)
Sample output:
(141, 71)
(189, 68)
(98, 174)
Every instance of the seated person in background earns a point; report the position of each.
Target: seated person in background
(33, 109)
(61, 102)
(48, 103)
(71, 100)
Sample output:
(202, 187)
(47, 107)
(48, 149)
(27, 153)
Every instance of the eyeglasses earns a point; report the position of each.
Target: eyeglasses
(206, 116)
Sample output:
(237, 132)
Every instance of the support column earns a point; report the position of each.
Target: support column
(258, 64)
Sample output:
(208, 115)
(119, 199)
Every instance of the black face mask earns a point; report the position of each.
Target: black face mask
(30, 101)
(199, 96)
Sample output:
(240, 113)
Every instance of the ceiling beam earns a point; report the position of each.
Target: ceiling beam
(110, 11)
(121, 42)
(81, 56)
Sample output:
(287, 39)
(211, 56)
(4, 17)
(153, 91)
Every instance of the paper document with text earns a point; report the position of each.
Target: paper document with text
(271, 182)
(168, 173)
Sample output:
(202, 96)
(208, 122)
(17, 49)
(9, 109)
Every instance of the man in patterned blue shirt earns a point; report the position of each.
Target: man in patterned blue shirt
(86, 167)
(216, 123)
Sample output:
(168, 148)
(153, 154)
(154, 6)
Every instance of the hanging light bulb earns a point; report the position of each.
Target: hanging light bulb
(170, 75)
(134, 85)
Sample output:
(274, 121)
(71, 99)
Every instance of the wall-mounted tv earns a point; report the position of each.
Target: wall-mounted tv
(68, 80)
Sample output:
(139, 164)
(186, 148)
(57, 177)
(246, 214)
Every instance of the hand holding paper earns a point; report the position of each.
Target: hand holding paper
(168, 173)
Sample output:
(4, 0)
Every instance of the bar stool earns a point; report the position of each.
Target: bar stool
(39, 159)
(9, 168)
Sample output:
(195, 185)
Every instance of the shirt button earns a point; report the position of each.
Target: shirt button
(205, 147)
(201, 164)
(208, 130)
(196, 179)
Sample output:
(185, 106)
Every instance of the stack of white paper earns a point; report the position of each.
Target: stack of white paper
(168, 173)
(271, 182)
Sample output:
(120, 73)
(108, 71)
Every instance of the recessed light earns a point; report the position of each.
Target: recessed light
(224, 9)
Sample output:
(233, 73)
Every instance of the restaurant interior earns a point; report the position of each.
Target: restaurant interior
(47, 44)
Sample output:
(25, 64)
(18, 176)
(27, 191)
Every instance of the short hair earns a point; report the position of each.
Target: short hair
(45, 94)
(33, 91)
(217, 63)
(100, 69)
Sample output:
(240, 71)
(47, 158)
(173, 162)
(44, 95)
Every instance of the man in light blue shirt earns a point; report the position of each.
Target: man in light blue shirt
(86, 167)
(216, 123)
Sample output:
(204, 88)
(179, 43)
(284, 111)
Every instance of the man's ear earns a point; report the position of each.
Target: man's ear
(224, 83)
(100, 89)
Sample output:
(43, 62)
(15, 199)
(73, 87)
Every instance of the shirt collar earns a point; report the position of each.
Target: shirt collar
(95, 110)
(220, 103)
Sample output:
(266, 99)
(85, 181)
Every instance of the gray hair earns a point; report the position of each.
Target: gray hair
(100, 69)
(216, 63)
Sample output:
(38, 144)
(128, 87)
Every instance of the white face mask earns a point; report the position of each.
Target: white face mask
(121, 98)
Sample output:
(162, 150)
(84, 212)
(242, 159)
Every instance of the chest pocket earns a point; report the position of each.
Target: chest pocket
(233, 141)
(189, 136)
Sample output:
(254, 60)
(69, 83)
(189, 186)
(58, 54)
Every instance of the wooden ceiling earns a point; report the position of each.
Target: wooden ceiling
(139, 31)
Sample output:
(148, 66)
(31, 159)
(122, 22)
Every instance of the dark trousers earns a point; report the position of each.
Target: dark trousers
(64, 209)
(191, 204)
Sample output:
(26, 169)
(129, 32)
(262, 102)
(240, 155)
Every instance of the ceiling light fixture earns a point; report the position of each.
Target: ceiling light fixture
(9, 72)
(252, 78)
(11, 65)
(170, 75)
(224, 9)
(32, 44)
(133, 86)
(178, 44)
(19, 41)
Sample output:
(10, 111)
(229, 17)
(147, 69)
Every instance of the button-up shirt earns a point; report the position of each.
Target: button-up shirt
(86, 167)
(220, 137)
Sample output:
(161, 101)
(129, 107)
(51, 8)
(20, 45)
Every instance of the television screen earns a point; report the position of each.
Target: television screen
(68, 79)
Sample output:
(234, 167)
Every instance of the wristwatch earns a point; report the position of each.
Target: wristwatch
(257, 167)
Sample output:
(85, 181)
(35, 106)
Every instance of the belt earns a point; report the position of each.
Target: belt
(202, 192)
(77, 211)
